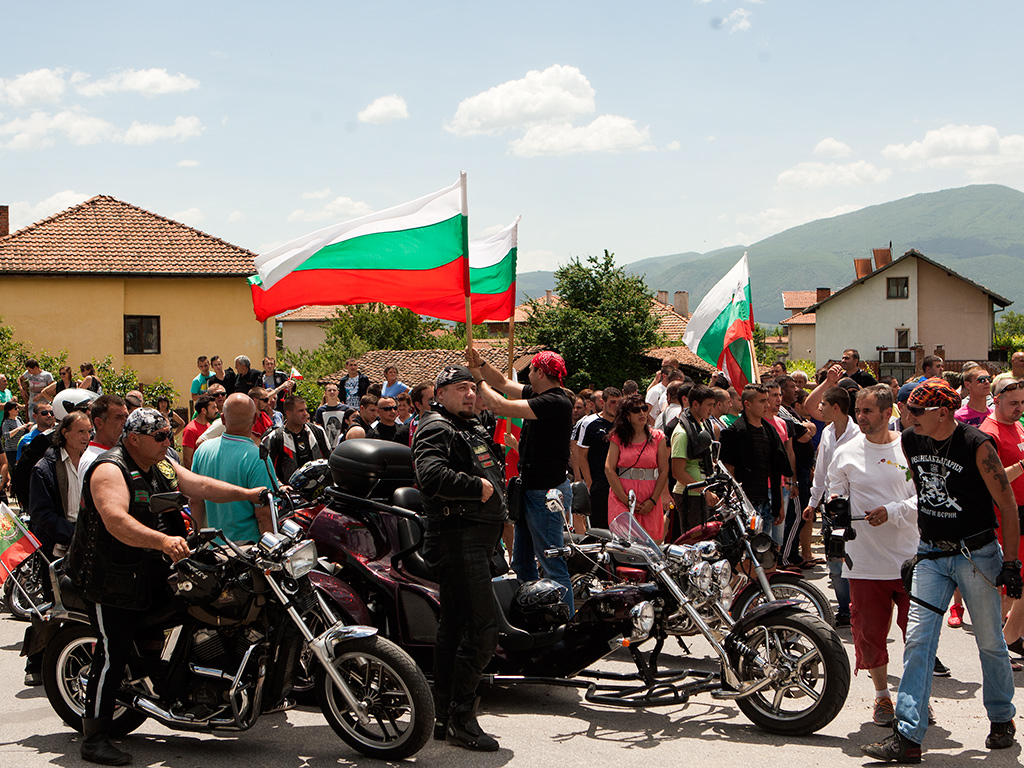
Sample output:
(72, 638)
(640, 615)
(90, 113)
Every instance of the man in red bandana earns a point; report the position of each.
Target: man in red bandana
(546, 411)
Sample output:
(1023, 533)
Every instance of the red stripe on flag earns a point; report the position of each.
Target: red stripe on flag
(15, 554)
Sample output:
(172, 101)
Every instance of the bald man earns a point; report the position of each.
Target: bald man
(234, 458)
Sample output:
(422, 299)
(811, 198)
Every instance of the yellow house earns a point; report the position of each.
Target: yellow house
(108, 278)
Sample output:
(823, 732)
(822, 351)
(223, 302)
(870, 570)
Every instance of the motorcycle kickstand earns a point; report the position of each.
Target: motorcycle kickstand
(642, 667)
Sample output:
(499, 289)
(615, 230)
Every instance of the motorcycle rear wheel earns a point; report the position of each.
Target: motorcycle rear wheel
(816, 673)
(66, 665)
(785, 586)
(401, 707)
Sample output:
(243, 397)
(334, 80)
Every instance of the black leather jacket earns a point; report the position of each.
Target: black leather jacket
(451, 457)
(48, 502)
(105, 569)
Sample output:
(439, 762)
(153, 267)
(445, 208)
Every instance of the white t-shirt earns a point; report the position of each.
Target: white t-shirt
(875, 476)
(580, 429)
(654, 399)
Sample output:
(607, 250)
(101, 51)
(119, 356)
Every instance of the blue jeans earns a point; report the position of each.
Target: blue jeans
(934, 582)
(764, 511)
(538, 529)
(778, 530)
(840, 586)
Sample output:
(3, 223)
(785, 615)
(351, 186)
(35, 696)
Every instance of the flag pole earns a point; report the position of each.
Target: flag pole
(511, 342)
(755, 366)
(465, 259)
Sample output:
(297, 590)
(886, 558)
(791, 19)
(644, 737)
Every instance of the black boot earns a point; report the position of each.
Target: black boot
(440, 715)
(96, 746)
(465, 731)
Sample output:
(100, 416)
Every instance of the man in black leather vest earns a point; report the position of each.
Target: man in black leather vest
(115, 557)
(460, 473)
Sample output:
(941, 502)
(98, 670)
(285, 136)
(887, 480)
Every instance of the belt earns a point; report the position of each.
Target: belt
(970, 543)
(637, 473)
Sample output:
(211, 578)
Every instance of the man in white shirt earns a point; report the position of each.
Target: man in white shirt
(107, 414)
(871, 470)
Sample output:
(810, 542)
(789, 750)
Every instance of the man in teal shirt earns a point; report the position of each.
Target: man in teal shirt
(233, 458)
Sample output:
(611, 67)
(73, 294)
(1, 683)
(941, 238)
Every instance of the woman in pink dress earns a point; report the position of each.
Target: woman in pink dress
(637, 461)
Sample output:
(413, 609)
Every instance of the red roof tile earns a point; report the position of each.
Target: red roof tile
(797, 300)
(309, 314)
(416, 365)
(105, 236)
(798, 319)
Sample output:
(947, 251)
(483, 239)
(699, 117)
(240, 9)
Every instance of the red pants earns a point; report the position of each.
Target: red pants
(871, 604)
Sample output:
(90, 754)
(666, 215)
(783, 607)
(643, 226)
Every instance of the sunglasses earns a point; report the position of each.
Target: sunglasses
(387, 408)
(984, 379)
(161, 436)
(264, 399)
(920, 411)
(219, 395)
(1012, 386)
(640, 409)
(45, 413)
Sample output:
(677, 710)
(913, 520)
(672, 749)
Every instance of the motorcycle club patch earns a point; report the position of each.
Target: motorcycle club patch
(483, 456)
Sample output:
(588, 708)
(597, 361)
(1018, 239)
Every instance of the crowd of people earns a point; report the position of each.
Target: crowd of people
(933, 476)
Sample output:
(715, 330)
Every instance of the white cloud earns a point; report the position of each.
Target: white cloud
(831, 149)
(38, 130)
(771, 221)
(814, 175)
(608, 133)
(673, 146)
(188, 163)
(556, 94)
(385, 109)
(191, 216)
(235, 216)
(737, 21)
(40, 86)
(319, 194)
(148, 82)
(338, 209)
(146, 133)
(24, 213)
(979, 149)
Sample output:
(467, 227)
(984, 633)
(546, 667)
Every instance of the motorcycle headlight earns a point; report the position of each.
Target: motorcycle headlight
(722, 573)
(685, 556)
(700, 576)
(756, 525)
(300, 559)
(642, 615)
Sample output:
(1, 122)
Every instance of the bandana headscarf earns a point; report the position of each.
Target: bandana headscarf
(453, 374)
(145, 421)
(934, 392)
(551, 363)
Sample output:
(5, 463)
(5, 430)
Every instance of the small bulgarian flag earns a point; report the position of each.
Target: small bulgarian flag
(508, 425)
(295, 374)
(721, 330)
(412, 255)
(16, 543)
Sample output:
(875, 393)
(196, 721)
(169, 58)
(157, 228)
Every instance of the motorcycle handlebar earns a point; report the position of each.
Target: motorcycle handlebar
(557, 552)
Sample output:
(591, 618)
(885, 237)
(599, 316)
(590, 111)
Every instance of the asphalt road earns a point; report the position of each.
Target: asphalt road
(537, 725)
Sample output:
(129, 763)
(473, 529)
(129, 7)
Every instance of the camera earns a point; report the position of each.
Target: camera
(839, 519)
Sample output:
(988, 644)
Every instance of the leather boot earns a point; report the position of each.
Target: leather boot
(96, 746)
(441, 703)
(465, 731)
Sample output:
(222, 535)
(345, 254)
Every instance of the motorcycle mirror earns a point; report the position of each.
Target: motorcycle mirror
(716, 450)
(632, 501)
(580, 499)
(173, 501)
(704, 441)
(264, 452)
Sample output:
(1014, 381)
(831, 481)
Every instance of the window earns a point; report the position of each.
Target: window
(903, 338)
(897, 287)
(141, 335)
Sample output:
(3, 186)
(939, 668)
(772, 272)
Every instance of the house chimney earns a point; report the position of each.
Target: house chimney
(663, 297)
(681, 303)
(547, 297)
(5, 221)
(883, 256)
(862, 267)
(821, 294)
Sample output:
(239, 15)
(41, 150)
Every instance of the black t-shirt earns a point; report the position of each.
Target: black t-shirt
(595, 440)
(756, 485)
(228, 382)
(863, 378)
(383, 432)
(953, 501)
(544, 441)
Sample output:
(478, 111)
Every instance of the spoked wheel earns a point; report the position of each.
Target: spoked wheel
(386, 680)
(785, 586)
(66, 666)
(808, 666)
(30, 575)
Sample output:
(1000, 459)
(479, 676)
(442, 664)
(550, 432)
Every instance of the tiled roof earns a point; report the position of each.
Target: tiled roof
(416, 365)
(105, 236)
(799, 319)
(309, 314)
(689, 360)
(798, 299)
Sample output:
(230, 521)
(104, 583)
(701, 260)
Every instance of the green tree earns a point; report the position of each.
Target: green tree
(601, 324)
(1009, 332)
(765, 355)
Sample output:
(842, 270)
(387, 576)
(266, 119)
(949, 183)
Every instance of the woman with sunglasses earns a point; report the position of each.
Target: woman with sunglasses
(89, 380)
(637, 461)
(65, 380)
(976, 408)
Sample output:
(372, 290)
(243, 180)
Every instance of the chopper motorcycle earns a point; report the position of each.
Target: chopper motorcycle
(243, 623)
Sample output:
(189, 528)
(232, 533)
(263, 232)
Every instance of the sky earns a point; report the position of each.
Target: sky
(645, 129)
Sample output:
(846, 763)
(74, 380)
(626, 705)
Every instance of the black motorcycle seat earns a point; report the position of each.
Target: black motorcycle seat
(407, 498)
(410, 535)
(70, 596)
(512, 638)
(73, 601)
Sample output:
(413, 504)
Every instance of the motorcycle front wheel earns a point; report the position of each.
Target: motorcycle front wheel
(66, 665)
(810, 668)
(30, 575)
(395, 692)
(785, 586)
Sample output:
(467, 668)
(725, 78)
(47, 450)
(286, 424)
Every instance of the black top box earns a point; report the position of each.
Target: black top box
(370, 467)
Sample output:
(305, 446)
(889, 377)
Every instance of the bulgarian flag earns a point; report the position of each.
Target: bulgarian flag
(721, 330)
(412, 255)
(513, 426)
(16, 543)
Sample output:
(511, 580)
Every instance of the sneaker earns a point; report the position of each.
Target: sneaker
(1000, 735)
(931, 715)
(842, 620)
(956, 616)
(940, 669)
(33, 678)
(894, 749)
(884, 713)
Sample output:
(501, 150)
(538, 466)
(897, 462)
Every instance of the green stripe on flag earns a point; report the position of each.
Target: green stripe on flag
(495, 278)
(711, 342)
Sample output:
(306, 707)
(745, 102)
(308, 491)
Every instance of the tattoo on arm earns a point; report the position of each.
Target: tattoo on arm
(994, 466)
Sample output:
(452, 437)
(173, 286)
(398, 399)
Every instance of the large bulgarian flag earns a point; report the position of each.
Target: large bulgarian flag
(412, 255)
(492, 279)
(721, 330)
(16, 543)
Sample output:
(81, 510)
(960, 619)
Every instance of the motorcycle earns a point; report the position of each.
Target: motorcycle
(243, 623)
(23, 589)
(787, 669)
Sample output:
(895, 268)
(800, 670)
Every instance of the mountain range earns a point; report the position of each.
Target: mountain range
(977, 231)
